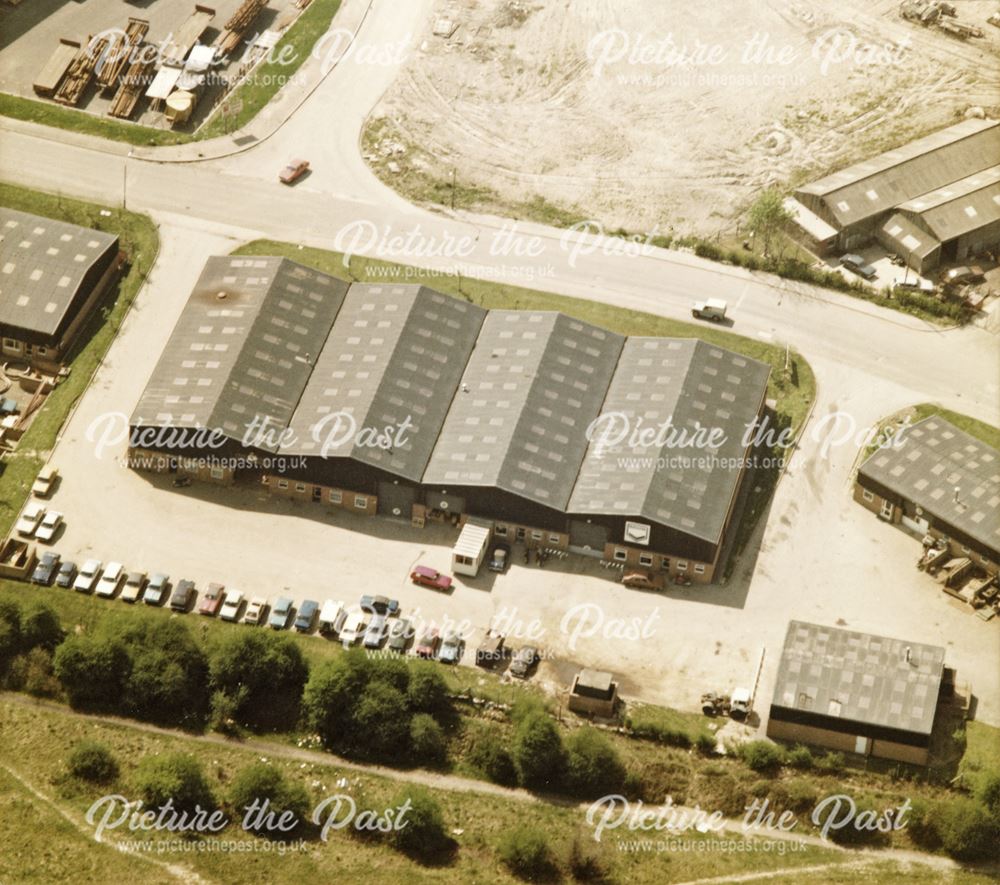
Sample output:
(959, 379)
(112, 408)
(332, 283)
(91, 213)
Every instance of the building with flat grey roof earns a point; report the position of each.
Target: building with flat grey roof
(400, 401)
(52, 276)
(938, 480)
(944, 185)
(857, 692)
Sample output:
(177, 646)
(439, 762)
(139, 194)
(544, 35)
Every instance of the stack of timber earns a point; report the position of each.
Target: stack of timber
(133, 83)
(119, 52)
(238, 25)
(81, 72)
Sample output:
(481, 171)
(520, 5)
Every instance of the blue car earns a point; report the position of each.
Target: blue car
(307, 615)
(281, 614)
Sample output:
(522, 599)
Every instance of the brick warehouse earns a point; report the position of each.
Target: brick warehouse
(495, 405)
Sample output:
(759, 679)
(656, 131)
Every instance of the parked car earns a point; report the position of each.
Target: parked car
(856, 265)
(427, 644)
(182, 597)
(380, 605)
(492, 652)
(400, 634)
(135, 583)
(306, 616)
(958, 275)
(293, 171)
(111, 580)
(428, 577)
(45, 481)
(332, 617)
(640, 580)
(156, 590)
(354, 628)
(88, 576)
(30, 520)
(281, 614)
(232, 602)
(49, 526)
(499, 558)
(713, 309)
(66, 576)
(375, 634)
(255, 611)
(211, 602)
(47, 568)
(524, 661)
(918, 285)
(451, 648)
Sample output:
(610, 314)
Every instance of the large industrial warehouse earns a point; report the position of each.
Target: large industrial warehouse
(934, 200)
(400, 401)
(52, 276)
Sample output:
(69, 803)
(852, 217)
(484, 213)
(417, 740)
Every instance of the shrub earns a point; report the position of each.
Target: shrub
(381, 716)
(422, 832)
(427, 742)
(92, 761)
(801, 795)
(331, 693)
(832, 763)
(850, 834)
(538, 752)
(38, 677)
(799, 757)
(706, 743)
(40, 628)
(761, 756)
(427, 691)
(175, 777)
(490, 755)
(968, 831)
(92, 671)
(525, 852)
(10, 631)
(584, 863)
(261, 783)
(989, 794)
(593, 767)
(921, 824)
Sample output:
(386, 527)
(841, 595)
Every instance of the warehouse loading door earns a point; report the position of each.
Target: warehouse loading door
(587, 538)
(395, 500)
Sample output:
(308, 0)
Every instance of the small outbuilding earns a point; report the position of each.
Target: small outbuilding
(594, 693)
(470, 548)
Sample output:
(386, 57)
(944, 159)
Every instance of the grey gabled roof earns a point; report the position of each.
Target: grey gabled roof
(42, 264)
(906, 238)
(534, 382)
(393, 358)
(859, 677)
(243, 348)
(961, 206)
(932, 460)
(688, 383)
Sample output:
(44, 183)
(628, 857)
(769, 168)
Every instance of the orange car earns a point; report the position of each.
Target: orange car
(293, 171)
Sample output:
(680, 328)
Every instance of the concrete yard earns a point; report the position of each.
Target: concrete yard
(820, 557)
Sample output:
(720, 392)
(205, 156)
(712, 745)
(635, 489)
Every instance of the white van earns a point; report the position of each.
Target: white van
(332, 617)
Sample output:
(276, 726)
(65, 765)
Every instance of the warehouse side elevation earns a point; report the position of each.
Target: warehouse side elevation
(403, 402)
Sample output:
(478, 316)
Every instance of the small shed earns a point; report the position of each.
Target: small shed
(470, 548)
(594, 693)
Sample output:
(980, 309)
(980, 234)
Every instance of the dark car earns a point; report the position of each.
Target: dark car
(180, 599)
(856, 264)
(306, 616)
(524, 662)
(46, 569)
(66, 574)
(400, 635)
(499, 558)
(380, 605)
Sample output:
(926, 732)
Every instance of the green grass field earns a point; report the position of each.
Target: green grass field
(138, 237)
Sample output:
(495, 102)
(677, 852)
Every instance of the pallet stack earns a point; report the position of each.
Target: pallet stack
(119, 52)
(238, 25)
(133, 83)
(81, 72)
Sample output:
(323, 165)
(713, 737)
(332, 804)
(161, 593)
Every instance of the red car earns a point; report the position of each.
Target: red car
(211, 602)
(427, 577)
(293, 171)
(427, 645)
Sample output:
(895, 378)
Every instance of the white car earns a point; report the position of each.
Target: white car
(111, 580)
(354, 628)
(255, 611)
(49, 526)
(231, 603)
(88, 576)
(32, 517)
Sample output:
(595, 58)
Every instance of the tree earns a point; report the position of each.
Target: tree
(92, 671)
(265, 671)
(767, 216)
(382, 718)
(92, 761)
(968, 831)
(538, 752)
(428, 691)
(40, 628)
(260, 783)
(330, 695)
(420, 831)
(525, 852)
(10, 631)
(177, 777)
(490, 755)
(393, 672)
(592, 764)
(427, 742)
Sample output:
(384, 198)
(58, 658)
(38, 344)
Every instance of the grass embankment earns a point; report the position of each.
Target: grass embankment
(138, 238)
(263, 85)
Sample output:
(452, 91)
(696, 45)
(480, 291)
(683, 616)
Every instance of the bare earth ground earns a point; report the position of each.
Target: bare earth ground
(517, 101)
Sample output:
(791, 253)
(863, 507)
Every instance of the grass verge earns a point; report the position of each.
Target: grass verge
(138, 237)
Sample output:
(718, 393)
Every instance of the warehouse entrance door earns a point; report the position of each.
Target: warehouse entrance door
(395, 500)
(587, 538)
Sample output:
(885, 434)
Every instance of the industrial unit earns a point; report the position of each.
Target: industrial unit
(400, 401)
(857, 693)
(934, 200)
(52, 276)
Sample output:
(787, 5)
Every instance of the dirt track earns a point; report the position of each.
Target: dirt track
(661, 112)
